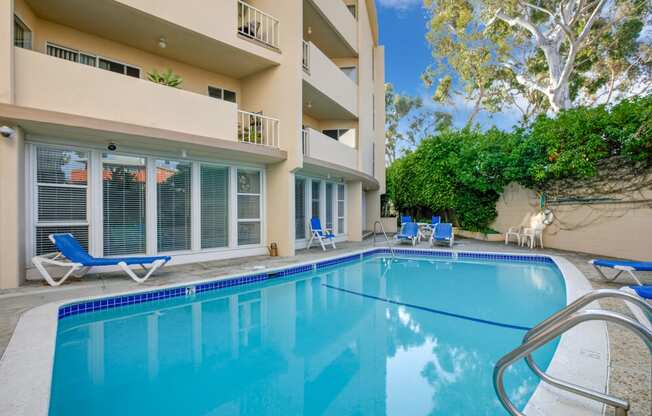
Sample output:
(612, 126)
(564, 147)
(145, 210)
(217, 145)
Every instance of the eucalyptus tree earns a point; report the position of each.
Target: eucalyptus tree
(397, 108)
(551, 54)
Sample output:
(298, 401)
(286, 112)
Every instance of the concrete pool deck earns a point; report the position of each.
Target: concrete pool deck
(629, 360)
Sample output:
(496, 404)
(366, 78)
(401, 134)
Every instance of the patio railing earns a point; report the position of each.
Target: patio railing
(304, 142)
(258, 25)
(306, 56)
(258, 129)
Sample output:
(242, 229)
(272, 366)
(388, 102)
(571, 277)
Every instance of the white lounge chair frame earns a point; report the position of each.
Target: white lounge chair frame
(58, 259)
(638, 313)
(314, 235)
(434, 241)
(621, 269)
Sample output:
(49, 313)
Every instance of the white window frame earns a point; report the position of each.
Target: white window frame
(31, 176)
(97, 59)
(21, 21)
(337, 216)
(307, 203)
(94, 195)
(236, 193)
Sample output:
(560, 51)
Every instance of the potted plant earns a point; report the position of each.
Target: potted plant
(168, 78)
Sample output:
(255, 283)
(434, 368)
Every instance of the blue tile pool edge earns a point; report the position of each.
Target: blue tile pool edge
(133, 298)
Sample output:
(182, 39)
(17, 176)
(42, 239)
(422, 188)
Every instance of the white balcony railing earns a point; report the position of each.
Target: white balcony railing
(258, 129)
(306, 56)
(304, 142)
(256, 24)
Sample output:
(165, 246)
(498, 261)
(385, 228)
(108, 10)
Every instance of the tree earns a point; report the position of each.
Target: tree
(549, 53)
(397, 107)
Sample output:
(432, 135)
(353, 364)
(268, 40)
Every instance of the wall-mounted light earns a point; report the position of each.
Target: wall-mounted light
(7, 132)
(184, 154)
(310, 30)
(162, 43)
(309, 104)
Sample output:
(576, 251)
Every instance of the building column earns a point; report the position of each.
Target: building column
(7, 52)
(354, 195)
(372, 206)
(12, 209)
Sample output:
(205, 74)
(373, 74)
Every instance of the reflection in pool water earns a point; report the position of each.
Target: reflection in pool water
(300, 346)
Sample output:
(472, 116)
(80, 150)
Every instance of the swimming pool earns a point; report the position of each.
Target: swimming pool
(364, 335)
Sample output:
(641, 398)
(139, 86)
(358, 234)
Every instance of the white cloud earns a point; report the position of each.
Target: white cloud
(399, 4)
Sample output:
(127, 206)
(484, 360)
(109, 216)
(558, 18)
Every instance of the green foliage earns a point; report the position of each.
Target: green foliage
(461, 174)
(168, 78)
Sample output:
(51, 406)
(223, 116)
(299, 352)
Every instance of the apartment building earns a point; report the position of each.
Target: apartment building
(278, 117)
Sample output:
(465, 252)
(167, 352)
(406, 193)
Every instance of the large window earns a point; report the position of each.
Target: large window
(123, 204)
(221, 94)
(316, 192)
(249, 211)
(329, 206)
(120, 204)
(300, 208)
(340, 209)
(61, 188)
(174, 205)
(91, 60)
(22, 34)
(214, 206)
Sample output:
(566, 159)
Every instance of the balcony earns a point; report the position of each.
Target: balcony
(320, 147)
(68, 88)
(197, 32)
(328, 93)
(330, 24)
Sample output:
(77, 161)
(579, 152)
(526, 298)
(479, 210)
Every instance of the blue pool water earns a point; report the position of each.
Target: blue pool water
(404, 336)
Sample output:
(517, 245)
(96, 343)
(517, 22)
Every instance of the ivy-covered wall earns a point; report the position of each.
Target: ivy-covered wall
(461, 174)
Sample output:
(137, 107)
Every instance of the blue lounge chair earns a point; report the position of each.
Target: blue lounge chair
(622, 266)
(409, 232)
(405, 219)
(644, 316)
(443, 234)
(72, 255)
(320, 234)
(436, 219)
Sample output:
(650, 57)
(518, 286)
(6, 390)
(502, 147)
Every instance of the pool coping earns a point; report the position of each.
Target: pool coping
(27, 363)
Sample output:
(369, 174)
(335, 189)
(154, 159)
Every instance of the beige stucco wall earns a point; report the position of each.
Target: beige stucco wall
(366, 91)
(329, 79)
(323, 147)
(12, 210)
(614, 230)
(277, 93)
(194, 79)
(340, 17)
(63, 86)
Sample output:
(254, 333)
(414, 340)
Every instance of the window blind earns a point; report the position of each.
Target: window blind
(174, 207)
(61, 182)
(329, 206)
(123, 202)
(214, 206)
(315, 199)
(249, 215)
(299, 208)
(340, 209)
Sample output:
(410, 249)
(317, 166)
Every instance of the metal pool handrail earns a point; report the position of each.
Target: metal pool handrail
(391, 249)
(555, 325)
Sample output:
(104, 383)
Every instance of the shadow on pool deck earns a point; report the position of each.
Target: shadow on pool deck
(630, 364)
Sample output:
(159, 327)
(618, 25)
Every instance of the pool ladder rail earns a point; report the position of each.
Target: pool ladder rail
(560, 322)
(391, 249)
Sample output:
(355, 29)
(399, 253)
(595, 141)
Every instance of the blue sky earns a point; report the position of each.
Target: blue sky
(402, 31)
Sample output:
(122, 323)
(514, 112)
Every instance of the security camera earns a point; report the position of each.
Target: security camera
(6, 131)
(112, 147)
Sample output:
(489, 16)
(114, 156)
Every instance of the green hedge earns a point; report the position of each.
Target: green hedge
(461, 174)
